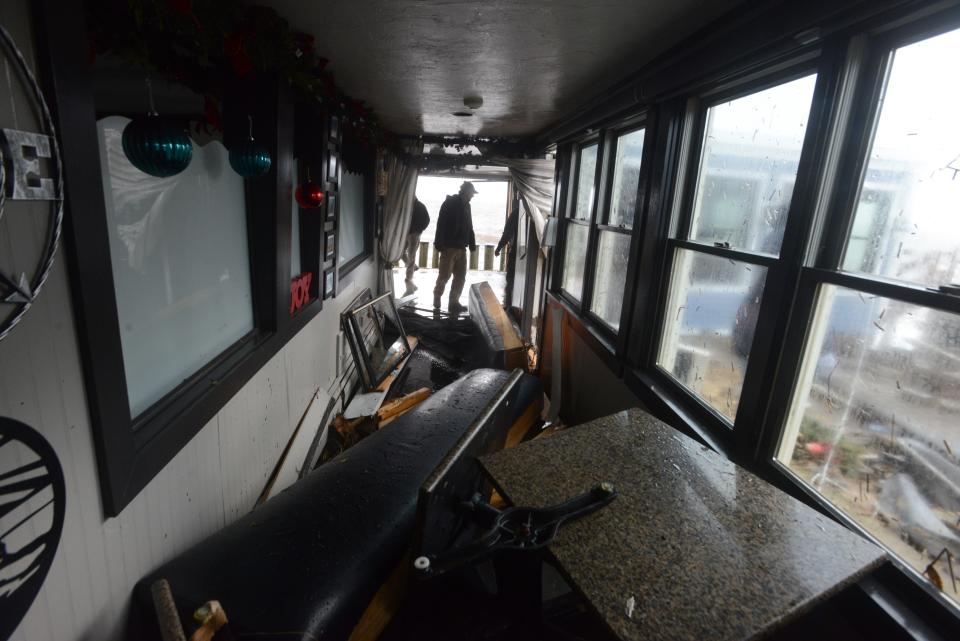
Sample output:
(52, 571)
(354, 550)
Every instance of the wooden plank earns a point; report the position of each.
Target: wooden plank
(521, 427)
(384, 605)
(400, 406)
(287, 470)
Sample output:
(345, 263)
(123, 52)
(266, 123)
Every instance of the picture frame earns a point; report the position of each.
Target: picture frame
(329, 283)
(333, 165)
(331, 204)
(329, 245)
(378, 337)
(335, 128)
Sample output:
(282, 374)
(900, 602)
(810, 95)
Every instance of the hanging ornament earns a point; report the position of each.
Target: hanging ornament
(156, 146)
(248, 158)
(309, 195)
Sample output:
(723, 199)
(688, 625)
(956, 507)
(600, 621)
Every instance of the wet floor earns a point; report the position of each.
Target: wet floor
(425, 279)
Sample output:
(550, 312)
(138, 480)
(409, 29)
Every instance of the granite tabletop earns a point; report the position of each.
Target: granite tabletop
(693, 547)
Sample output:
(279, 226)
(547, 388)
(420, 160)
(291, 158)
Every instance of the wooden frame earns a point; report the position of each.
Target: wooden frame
(132, 450)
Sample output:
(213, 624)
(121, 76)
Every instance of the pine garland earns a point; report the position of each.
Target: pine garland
(202, 44)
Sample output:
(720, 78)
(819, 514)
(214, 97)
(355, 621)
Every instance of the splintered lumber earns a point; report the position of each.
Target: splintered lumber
(400, 406)
(211, 618)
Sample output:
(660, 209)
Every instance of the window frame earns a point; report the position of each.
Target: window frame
(678, 224)
(131, 450)
(823, 262)
(840, 48)
(568, 215)
(613, 342)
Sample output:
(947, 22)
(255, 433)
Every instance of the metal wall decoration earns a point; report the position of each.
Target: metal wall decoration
(21, 178)
(33, 501)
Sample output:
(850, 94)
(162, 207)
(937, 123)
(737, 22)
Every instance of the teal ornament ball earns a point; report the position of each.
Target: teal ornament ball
(250, 159)
(156, 146)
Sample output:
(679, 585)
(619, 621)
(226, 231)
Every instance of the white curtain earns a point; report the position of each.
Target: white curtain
(397, 211)
(534, 180)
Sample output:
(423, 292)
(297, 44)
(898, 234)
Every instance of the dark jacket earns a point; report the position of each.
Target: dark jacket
(455, 224)
(420, 218)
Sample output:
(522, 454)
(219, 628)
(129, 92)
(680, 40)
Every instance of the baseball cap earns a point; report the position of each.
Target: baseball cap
(468, 186)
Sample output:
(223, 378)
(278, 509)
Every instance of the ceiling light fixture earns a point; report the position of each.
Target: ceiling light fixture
(462, 114)
(472, 102)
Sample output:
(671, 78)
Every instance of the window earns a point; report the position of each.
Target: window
(578, 224)
(613, 248)
(872, 426)
(723, 248)
(182, 280)
(600, 282)
(352, 217)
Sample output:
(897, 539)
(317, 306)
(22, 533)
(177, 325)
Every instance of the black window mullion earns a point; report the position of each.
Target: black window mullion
(763, 260)
(853, 159)
(758, 392)
(599, 201)
(689, 172)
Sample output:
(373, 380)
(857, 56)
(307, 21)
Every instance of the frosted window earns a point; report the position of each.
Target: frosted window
(875, 423)
(710, 318)
(613, 254)
(906, 224)
(181, 269)
(295, 266)
(575, 253)
(586, 174)
(351, 216)
(751, 151)
(626, 179)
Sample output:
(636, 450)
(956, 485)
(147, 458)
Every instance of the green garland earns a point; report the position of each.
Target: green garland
(202, 44)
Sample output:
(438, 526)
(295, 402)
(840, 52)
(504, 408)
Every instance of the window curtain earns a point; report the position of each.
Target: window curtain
(397, 212)
(533, 179)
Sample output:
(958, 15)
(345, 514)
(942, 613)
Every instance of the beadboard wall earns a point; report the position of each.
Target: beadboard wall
(216, 478)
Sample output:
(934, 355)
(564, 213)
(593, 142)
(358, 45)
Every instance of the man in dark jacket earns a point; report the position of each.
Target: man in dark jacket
(418, 223)
(454, 235)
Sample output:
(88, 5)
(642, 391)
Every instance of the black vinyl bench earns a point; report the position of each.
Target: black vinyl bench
(306, 564)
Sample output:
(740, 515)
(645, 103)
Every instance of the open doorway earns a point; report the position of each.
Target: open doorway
(489, 211)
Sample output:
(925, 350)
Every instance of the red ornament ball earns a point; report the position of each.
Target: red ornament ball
(309, 195)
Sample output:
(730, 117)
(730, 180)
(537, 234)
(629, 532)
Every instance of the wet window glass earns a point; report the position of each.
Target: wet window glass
(586, 173)
(613, 254)
(751, 151)
(709, 322)
(907, 220)
(874, 422)
(626, 179)
(574, 257)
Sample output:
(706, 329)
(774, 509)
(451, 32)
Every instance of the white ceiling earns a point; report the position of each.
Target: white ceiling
(532, 61)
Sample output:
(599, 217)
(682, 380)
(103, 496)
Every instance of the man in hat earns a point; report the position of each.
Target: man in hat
(454, 235)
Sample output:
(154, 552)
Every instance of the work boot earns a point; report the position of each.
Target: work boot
(456, 308)
(436, 301)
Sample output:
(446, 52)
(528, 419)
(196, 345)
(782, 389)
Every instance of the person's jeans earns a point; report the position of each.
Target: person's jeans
(410, 254)
(453, 260)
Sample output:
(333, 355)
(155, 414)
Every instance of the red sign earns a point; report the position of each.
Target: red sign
(300, 292)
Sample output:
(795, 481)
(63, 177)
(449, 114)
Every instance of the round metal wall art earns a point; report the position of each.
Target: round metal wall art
(31, 518)
(20, 179)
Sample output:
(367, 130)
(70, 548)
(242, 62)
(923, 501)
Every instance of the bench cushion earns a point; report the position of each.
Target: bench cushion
(305, 564)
